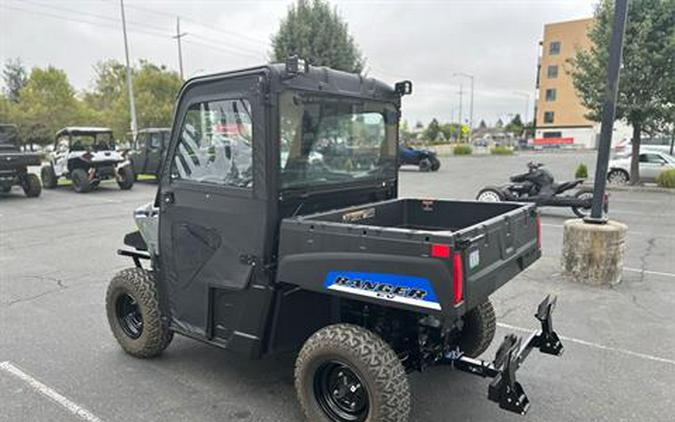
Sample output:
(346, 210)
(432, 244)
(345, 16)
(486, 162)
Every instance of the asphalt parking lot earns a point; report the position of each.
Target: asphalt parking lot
(57, 254)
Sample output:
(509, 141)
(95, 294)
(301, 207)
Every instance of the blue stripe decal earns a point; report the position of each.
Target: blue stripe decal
(410, 290)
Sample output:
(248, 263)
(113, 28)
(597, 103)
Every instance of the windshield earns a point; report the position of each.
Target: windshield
(92, 141)
(333, 140)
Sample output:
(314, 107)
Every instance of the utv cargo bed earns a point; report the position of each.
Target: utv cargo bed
(457, 252)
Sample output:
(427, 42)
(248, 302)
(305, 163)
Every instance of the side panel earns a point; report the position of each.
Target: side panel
(411, 283)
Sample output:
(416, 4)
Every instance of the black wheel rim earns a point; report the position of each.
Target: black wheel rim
(341, 393)
(129, 316)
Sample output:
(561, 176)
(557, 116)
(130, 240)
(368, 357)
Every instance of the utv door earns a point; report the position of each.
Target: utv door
(153, 157)
(213, 210)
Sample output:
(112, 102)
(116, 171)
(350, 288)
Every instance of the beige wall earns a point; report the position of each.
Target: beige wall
(572, 36)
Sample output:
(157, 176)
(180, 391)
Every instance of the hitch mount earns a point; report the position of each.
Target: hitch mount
(504, 389)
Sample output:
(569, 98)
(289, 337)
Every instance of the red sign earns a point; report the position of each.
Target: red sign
(553, 141)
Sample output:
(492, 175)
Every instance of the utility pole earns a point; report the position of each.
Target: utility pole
(178, 36)
(466, 75)
(527, 105)
(132, 105)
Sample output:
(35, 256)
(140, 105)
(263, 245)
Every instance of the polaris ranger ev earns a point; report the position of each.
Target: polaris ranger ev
(277, 227)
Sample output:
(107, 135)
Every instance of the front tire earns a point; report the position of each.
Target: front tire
(346, 373)
(480, 325)
(125, 178)
(134, 314)
(31, 186)
(80, 180)
(48, 176)
(618, 177)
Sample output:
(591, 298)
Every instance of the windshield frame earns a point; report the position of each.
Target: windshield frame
(381, 179)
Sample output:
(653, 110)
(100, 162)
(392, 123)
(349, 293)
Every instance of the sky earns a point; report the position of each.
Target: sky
(427, 42)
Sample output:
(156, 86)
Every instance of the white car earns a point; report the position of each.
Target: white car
(652, 163)
(86, 155)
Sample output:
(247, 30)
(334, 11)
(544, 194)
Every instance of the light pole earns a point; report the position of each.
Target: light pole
(466, 75)
(527, 104)
(132, 105)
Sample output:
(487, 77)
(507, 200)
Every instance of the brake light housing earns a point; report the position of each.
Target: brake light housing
(457, 278)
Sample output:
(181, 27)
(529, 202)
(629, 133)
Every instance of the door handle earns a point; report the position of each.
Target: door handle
(168, 198)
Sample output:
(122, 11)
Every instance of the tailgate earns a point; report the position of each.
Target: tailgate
(14, 160)
(497, 250)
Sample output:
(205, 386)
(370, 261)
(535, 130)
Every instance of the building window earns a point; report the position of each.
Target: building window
(552, 71)
(548, 116)
(552, 134)
(554, 48)
(550, 94)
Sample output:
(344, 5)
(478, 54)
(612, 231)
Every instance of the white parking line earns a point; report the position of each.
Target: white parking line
(50, 393)
(638, 270)
(597, 346)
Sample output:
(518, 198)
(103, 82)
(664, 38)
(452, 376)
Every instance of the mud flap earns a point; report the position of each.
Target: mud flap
(504, 388)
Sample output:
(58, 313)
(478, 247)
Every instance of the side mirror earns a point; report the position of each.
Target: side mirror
(403, 88)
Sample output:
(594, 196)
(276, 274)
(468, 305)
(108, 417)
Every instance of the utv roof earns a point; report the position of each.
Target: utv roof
(82, 130)
(313, 78)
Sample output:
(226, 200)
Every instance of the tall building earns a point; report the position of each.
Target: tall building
(559, 114)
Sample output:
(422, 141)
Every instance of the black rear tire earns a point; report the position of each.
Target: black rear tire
(582, 212)
(80, 180)
(48, 176)
(5, 189)
(480, 325)
(31, 185)
(380, 390)
(134, 314)
(435, 164)
(125, 177)
(425, 165)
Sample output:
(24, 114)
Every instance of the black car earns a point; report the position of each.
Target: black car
(148, 150)
(14, 164)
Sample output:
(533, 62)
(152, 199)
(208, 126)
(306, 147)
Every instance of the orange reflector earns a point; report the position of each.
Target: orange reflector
(439, 250)
(457, 277)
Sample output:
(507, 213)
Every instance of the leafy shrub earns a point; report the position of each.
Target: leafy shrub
(582, 171)
(462, 149)
(501, 150)
(666, 179)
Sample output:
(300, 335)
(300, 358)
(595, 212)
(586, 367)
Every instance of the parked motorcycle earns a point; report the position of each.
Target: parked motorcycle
(424, 158)
(538, 186)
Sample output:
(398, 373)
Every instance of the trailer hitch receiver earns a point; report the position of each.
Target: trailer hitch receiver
(504, 388)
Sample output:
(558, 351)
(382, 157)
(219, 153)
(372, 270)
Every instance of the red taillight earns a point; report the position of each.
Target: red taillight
(439, 250)
(538, 220)
(457, 278)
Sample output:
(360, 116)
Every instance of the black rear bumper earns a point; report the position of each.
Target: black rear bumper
(504, 388)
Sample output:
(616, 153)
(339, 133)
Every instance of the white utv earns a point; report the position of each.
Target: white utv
(86, 155)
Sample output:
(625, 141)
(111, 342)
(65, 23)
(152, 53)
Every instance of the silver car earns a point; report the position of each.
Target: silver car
(652, 163)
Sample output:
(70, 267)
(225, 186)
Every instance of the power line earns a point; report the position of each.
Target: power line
(118, 27)
(197, 22)
(69, 19)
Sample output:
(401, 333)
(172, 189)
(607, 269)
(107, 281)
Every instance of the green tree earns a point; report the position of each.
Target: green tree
(15, 77)
(432, 131)
(515, 126)
(313, 31)
(47, 103)
(155, 90)
(646, 75)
